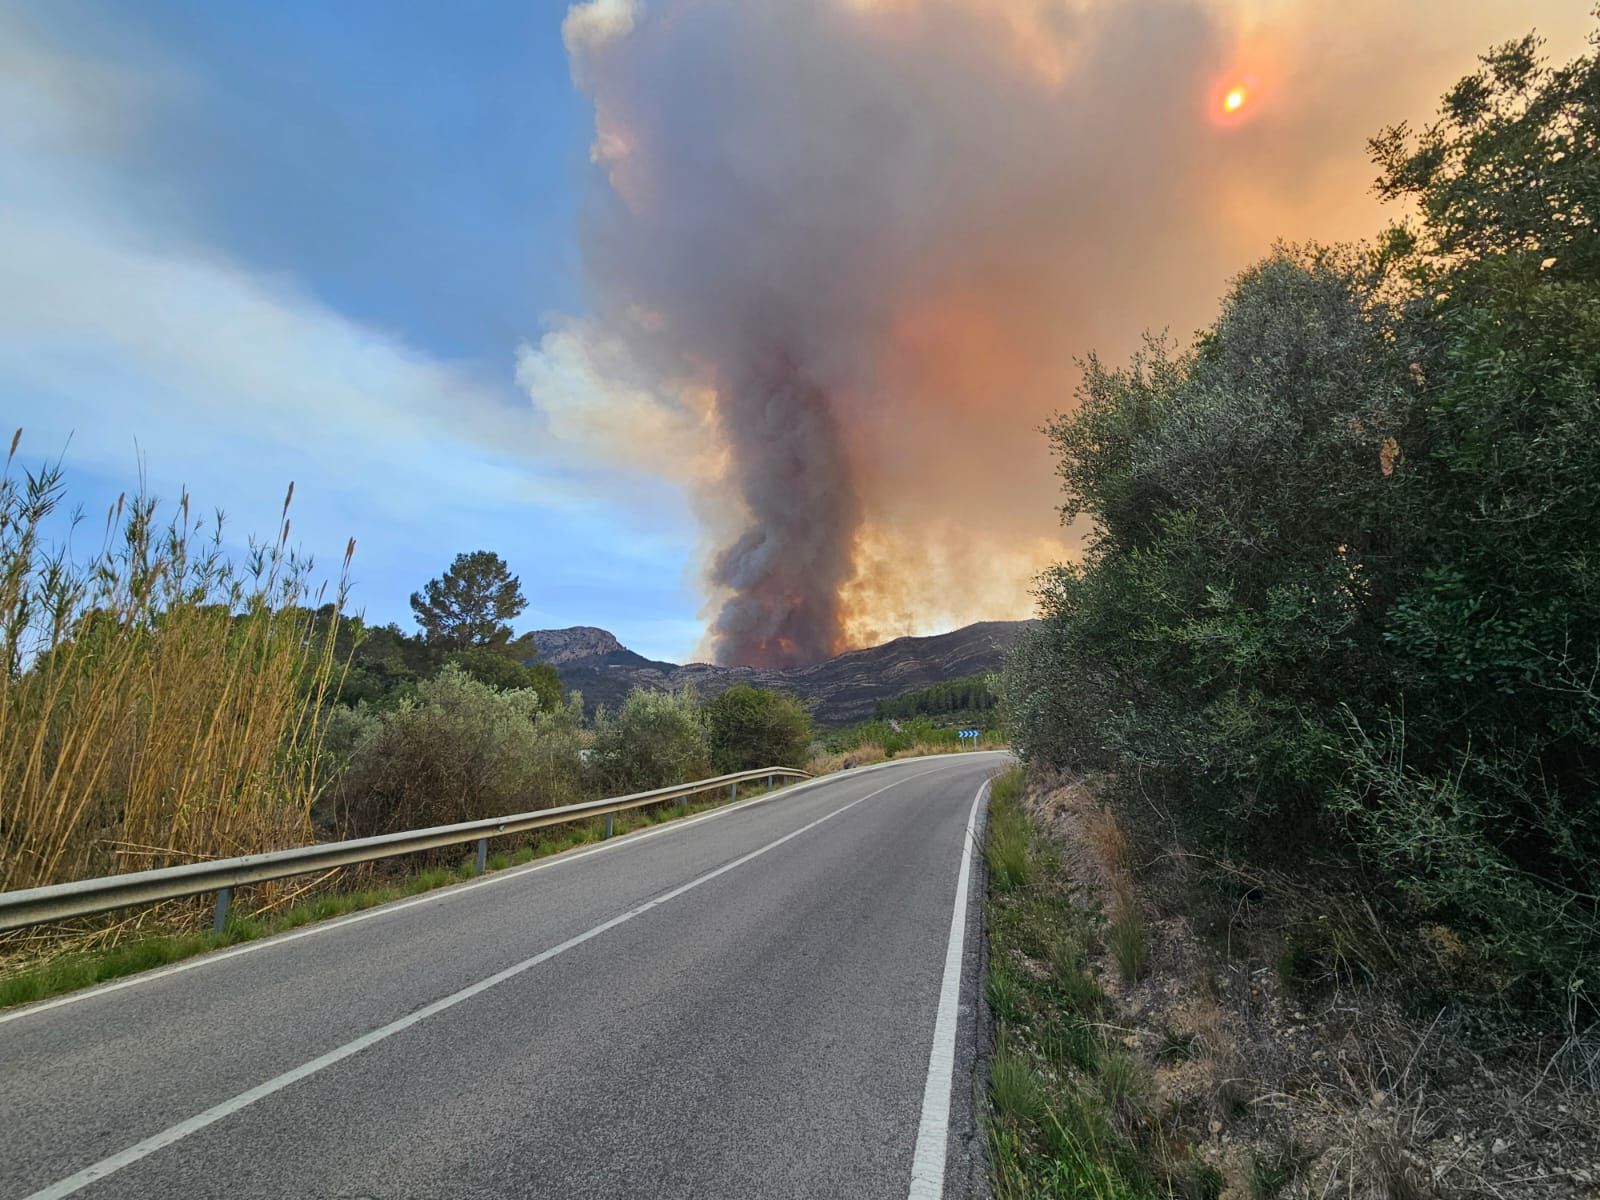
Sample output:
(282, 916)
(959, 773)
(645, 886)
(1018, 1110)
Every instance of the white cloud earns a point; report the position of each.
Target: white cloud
(124, 331)
(583, 383)
(112, 336)
(595, 22)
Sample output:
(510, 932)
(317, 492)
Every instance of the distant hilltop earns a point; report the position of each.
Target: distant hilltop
(558, 647)
(839, 690)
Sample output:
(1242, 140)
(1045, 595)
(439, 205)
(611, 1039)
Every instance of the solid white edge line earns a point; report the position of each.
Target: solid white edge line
(933, 1131)
(143, 1149)
(445, 894)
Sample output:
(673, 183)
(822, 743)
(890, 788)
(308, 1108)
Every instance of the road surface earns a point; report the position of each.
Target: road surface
(776, 999)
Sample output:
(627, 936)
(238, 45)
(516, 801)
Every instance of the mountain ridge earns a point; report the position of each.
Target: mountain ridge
(839, 690)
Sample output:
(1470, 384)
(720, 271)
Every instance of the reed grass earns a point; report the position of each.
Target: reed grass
(159, 703)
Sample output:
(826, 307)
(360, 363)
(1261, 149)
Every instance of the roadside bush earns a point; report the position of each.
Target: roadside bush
(1479, 787)
(750, 727)
(459, 750)
(655, 740)
(1225, 608)
(1338, 597)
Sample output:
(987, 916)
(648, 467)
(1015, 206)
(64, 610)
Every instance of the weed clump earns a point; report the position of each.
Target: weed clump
(1067, 1101)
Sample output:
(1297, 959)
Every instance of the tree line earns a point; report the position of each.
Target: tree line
(969, 699)
(456, 722)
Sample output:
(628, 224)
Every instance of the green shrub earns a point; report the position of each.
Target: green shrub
(750, 727)
(1214, 615)
(493, 666)
(457, 751)
(893, 734)
(655, 740)
(1338, 595)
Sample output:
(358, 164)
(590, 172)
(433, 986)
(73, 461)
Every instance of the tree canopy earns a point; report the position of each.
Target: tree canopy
(752, 727)
(471, 604)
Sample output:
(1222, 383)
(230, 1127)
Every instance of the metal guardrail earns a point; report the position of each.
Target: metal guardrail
(34, 906)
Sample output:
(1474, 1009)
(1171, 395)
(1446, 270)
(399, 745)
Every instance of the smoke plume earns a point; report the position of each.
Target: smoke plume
(850, 251)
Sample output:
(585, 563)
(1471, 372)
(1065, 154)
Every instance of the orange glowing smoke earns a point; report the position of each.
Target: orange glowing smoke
(880, 235)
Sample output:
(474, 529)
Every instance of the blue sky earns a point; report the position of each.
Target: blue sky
(244, 244)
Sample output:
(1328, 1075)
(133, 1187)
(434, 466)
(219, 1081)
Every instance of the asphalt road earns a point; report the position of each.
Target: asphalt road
(740, 1005)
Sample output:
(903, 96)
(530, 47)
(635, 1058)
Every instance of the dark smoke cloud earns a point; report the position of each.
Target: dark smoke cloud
(877, 234)
(784, 573)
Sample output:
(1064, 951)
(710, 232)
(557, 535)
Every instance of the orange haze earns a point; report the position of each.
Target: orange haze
(856, 247)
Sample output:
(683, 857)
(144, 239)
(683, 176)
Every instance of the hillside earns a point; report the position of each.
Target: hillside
(840, 690)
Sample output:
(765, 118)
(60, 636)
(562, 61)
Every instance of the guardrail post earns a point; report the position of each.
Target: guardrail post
(608, 823)
(220, 921)
(769, 783)
(733, 791)
(483, 855)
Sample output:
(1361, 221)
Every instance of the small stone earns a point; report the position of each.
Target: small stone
(1216, 1127)
(1378, 1098)
(1500, 1147)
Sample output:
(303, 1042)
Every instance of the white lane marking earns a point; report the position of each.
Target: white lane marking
(440, 895)
(933, 1131)
(115, 1162)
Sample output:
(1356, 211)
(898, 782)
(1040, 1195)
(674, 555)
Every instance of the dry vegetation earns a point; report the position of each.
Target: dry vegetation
(823, 762)
(158, 704)
(1286, 1045)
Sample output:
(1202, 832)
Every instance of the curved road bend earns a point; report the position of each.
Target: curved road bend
(742, 1005)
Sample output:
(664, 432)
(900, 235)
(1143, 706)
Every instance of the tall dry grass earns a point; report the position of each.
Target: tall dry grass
(159, 703)
(864, 754)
